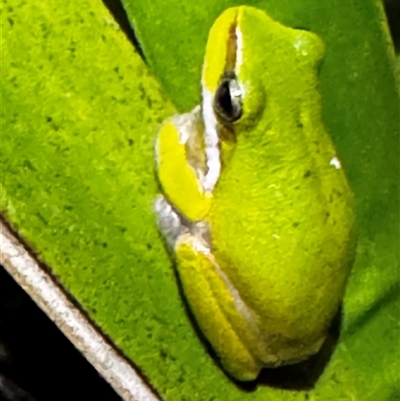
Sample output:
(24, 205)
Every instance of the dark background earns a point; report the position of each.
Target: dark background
(36, 361)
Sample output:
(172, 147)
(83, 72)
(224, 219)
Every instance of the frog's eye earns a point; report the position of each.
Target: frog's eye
(228, 100)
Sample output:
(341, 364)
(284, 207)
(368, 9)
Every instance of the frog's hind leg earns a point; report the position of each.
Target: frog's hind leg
(212, 303)
(214, 308)
(228, 324)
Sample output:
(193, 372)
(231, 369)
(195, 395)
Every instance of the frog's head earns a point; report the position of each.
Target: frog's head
(252, 62)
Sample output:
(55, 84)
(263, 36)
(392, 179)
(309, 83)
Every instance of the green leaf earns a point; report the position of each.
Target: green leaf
(355, 33)
(79, 118)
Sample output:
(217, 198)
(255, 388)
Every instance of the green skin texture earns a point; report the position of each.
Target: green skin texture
(281, 215)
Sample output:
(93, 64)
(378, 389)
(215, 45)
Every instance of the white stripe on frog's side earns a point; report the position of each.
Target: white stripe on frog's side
(239, 50)
(211, 141)
(211, 138)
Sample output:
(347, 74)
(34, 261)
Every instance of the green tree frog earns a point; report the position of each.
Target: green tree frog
(255, 204)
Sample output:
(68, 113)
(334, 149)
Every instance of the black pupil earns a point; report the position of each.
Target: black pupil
(224, 99)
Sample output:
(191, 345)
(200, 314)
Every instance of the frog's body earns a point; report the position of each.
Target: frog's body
(255, 203)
